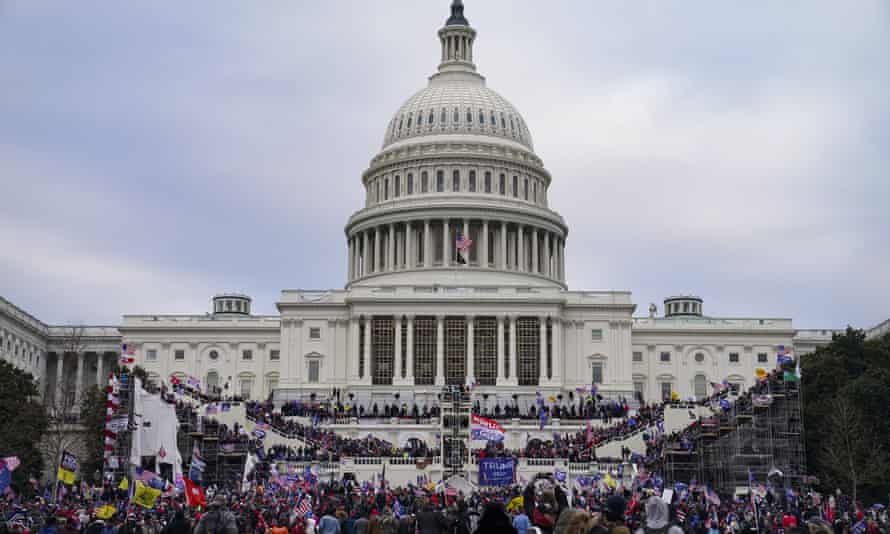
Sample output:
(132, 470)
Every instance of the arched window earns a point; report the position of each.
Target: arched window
(472, 182)
(410, 184)
(515, 186)
(481, 117)
(502, 185)
(455, 181)
(431, 118)
(700, 385)
(245, 385)
(487, 182)
(386, 189)
(525, 189)
(397, 186)
(456, 116)
(444, 118)
(440, 181)
(494, 121)
(409, 121)
(424, 182)
(212, 380)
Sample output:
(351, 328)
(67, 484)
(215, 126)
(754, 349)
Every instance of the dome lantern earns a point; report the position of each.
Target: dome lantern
(457, 39)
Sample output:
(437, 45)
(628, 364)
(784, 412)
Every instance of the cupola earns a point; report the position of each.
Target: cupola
(226, 304)
(683, 306)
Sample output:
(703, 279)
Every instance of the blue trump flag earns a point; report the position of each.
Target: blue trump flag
(496, 471)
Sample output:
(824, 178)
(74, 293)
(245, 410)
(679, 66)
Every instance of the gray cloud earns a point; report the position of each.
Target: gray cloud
(153, 154)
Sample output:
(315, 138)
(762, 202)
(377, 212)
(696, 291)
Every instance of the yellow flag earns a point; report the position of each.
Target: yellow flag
(609, 481)
(675, 396)
(65, 476)
(761, 373)
(124, 485)
(145, 496)
(515, 504)
(106, 512)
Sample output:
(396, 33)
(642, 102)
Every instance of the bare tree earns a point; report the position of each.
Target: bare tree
(850, 454)
(62, 406)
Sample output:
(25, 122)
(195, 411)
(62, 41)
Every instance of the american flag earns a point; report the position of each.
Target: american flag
(304, 506)
(463, 243)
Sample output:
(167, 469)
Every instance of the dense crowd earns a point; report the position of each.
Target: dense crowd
(345, 507)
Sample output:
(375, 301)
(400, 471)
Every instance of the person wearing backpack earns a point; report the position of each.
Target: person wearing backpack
(217, 520)
(658, 518)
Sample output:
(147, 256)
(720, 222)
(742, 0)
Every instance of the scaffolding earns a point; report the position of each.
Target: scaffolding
(760, 436)
(456, 406)
(224, 462)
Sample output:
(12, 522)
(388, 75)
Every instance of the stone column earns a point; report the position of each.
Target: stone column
(557, 350)
(513, 378)
(78, 386)
(365, 248)
(534, 236)
(542, 372)
(392, 247)
(483, 261)
(440, 350)
(562, 259)
(410, 261)
(60, 366)
(500, 351)
(427, 245)
(545, 265)
(366, 371)
(353, 349)
(350, 260)
(100, 370)
(502, 255)
(520, 248)
(410, 374)
(471, 349)
(397, 368)
(446, 243)
(378, 260)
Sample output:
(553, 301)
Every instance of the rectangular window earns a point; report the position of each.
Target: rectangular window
(638, 391)
(455, 181)
(382, 350)
(274, 354)
(397, 186)
(666, 389)
(455, 350)
(246, 388)
(597, 374)
(665, 356)
(525, 188)
(637, 356)
(528, 347)
(440, 181)
(534, 191)
(424, 182)
(596, 334)
(502, 185)
(410, 184)
(151, 355)
(246, 354)
(472, 183)
(179, 355)
(733, 357)
(485, 345)
(377, 198)
(488, 182)
(314, 366)
(515, 187)
(762, 357)
(386, 189)
(424, 351)
(315, 333)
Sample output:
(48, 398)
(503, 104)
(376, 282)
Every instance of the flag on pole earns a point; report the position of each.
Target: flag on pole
(127, 353)
(194, 494)
(463, 243)
(145, 496)
(486, 429)
(106, 511)
(304, 506)
(124, 484)
(67, 468)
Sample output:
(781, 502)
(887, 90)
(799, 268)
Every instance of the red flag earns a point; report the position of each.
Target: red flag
(194, 494)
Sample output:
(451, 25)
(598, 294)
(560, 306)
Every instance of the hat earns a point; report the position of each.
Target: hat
(615, 507)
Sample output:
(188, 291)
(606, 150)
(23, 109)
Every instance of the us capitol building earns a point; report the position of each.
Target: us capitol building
(456, 275)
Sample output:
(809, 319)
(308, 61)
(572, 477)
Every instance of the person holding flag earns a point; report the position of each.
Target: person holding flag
(463, 244)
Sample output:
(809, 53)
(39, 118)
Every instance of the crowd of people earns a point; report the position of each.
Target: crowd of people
(345, 507)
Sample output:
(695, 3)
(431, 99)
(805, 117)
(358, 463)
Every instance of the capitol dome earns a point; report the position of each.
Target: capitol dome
(456, 194)
(457, 104)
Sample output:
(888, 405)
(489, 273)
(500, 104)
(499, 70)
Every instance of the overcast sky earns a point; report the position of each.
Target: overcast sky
(154, 153)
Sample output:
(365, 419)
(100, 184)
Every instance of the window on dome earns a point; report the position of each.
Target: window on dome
(534, 191)
(444, 118)
(424, 182)
(409, 121)
(401, 123)
(481, 117)
(502, 186)
(440, 181)
(512, 126)
(431, 118)
(386, 189)
(378, 191)
(469, 116)
(525, 190)
(410, 183)
(515, 186)
(503, 122)
(397, 184)
(494, 121)
(472, 184)
(455, 181)
(456, 116)
(488, 182)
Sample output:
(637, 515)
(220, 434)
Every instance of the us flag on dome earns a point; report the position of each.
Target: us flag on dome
(463, 243)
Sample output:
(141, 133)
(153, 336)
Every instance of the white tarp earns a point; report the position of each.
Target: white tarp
(155, 434)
